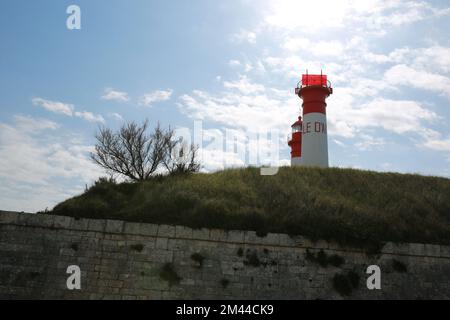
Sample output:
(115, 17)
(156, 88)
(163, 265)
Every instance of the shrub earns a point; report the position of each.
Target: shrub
(137, 247)
(399, 266)
(168, 274)
(198, 258)
(323, 259)
(252, 259)
(224, 283)
(336, 260)
(344, 283)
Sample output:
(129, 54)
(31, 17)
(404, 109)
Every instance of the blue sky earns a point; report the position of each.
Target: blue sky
(231, 65)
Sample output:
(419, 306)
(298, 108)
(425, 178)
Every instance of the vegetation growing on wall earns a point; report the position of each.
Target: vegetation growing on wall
(399, 266)
(168, 274)
(345, 283)
(224, 283)
(252, 259)
(198, 258)
(323, 259)
(138, 247)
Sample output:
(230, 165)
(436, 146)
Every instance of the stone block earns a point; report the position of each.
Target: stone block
(161, 243)
(38, 220)
(166, 231)
(286, 240)
(114, 226)
(183, 232)
(97, 225)
(200, 234)
(9, 217)
(416, 249)
(235, 236)
(271, 239)
(132, 228)
(251, 237)
(80, 224)
(62, 222)
(218, 235)
(445, 251)
(432, 250)
(401, 248)
(388, 248)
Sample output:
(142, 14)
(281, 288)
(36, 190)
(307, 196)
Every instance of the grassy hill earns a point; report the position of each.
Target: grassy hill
(348, 206)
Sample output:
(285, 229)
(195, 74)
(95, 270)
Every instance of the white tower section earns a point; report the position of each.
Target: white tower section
(314, 128)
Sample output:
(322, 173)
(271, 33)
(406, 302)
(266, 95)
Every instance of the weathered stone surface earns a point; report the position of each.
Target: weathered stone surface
(8, 217)
(201, 234)
(114, 226)
(144, 261)
(96, 225)
(62, 222)
(183, 232)
(235, 236)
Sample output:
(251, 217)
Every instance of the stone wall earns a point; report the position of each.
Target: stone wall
(122, 260)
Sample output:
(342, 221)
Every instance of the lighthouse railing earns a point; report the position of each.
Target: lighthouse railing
(306, 84)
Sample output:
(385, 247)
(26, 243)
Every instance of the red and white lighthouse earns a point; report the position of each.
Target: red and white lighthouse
(295, 142)
(313, 140)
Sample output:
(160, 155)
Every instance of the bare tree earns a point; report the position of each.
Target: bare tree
(181, 158)
(134, 153)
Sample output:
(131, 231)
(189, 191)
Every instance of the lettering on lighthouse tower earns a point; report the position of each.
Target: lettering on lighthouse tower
(316, 127)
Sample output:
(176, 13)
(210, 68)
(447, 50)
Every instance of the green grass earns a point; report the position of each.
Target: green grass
(349, 206)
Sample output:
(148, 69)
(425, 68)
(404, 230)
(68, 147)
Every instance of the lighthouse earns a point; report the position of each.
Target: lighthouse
(295, 142)
(312, 137)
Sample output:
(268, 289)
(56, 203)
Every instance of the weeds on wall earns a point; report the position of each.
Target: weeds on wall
(168, 274)
(224, 283)
(399, 266)
(345, 283)
(198, 258)
(252, 259)
(323, 259)
(137, 247)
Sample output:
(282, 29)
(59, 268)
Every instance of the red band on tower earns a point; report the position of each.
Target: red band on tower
(314, 99)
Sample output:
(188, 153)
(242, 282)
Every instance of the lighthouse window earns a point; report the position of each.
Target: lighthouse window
(296, 129)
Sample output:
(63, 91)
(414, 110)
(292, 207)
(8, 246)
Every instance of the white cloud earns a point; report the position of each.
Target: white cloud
(292, 14)
(30, 124)
(238, 110)
(116, 116)
(397, 116)
(244, 86)
(318, 48)
(114, 95)
(403, 75)
(374, 15)
(156, 96)
(368, 142)
(339, 143)
(438, 144)
(66, 109)
(244, 36)
(419, 58)
(234, 63)
(54, 106)
(89, 116)
(38, 168)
